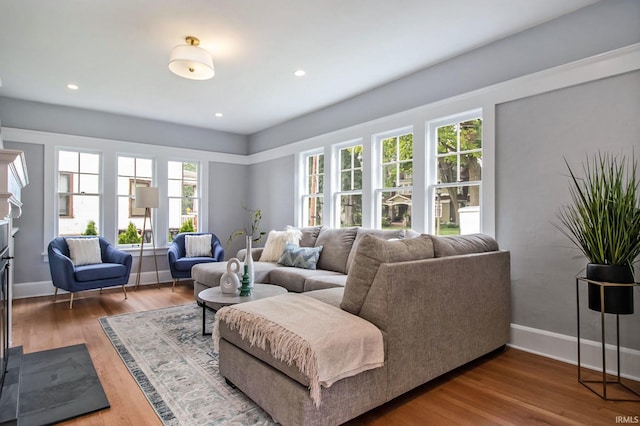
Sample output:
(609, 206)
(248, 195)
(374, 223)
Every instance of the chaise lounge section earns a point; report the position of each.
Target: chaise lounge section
(438, 302)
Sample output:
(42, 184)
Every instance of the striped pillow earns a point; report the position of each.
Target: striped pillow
(198, 245)
(84, 251)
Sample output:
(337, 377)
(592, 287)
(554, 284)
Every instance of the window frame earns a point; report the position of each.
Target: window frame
(378, 166)
(70, 194)
(337, 179)
(432, 185)
(197, 196)
(133, 181)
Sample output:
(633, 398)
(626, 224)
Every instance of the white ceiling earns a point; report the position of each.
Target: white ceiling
(116, 51)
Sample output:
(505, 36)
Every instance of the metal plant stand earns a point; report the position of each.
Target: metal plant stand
(635, 395)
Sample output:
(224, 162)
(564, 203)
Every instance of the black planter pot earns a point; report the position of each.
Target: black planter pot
(617, 300)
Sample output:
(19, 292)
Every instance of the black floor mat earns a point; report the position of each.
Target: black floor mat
(59, 384)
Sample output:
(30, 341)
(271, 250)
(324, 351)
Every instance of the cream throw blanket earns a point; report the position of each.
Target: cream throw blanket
(324, 342)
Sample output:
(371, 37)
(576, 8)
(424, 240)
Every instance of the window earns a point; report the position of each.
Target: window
(132, 172)
(350, 193)
(456, 195)
(79, 192)
(313, 196)
(183, 191)
(396, 181)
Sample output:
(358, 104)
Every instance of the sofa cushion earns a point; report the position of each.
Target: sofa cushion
(372, 252)
(463, 244)
(385, 234)
(300, 257)
(337, 244)
(309, 235)
(102, 271)
(209, 274)
(331, 296)
(276, 241)
(293, 278)
(324, 281)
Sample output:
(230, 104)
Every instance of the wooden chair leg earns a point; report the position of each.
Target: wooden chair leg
(175, 280)
(71, 302)
(100, 291)
(125, 292)
(55, 294)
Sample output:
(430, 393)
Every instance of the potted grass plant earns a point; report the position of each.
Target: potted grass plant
(603, 221)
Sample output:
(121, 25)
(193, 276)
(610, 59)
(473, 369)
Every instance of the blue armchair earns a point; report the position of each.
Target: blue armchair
(114, 270)
(180, 265)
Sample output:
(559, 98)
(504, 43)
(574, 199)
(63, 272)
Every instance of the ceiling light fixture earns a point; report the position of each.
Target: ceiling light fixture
(72, 86)
(299, 73)
(218, 114)
(190, 61)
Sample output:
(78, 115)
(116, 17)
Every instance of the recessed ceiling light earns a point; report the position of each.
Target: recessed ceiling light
(299, 73)
(72, 86)
(218, 114)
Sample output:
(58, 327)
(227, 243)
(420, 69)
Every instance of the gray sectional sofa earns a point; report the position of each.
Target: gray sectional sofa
(335, 260)
(440, 302)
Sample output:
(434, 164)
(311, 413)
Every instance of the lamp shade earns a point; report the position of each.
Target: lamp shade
(147, 197)
(192, 62)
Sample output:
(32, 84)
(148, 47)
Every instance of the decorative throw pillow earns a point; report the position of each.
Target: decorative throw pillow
(300, 257)
(370, 254)
(84, 251)
(198, 245)
(276, 240)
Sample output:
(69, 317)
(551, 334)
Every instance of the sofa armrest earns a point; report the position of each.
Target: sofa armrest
(439, 314)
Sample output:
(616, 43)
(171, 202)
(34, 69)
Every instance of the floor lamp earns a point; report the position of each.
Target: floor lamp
(147, 199)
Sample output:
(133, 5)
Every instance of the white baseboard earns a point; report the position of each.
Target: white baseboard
(45, 288)
(565, 348)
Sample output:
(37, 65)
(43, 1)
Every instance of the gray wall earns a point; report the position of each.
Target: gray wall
(598, 28)
(227, 194)
(272, 190)
(532, 137)
(28, 265)
(75, 121)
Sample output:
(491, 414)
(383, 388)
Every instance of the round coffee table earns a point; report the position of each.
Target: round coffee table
(213, 298)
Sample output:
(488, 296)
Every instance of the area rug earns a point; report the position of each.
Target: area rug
(176, 368)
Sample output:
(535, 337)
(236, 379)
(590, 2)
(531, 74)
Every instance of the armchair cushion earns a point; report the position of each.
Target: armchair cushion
(185, 263)
(84, 251)
(102, 271)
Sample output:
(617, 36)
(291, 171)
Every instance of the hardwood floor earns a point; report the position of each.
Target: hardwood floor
(506, 388)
